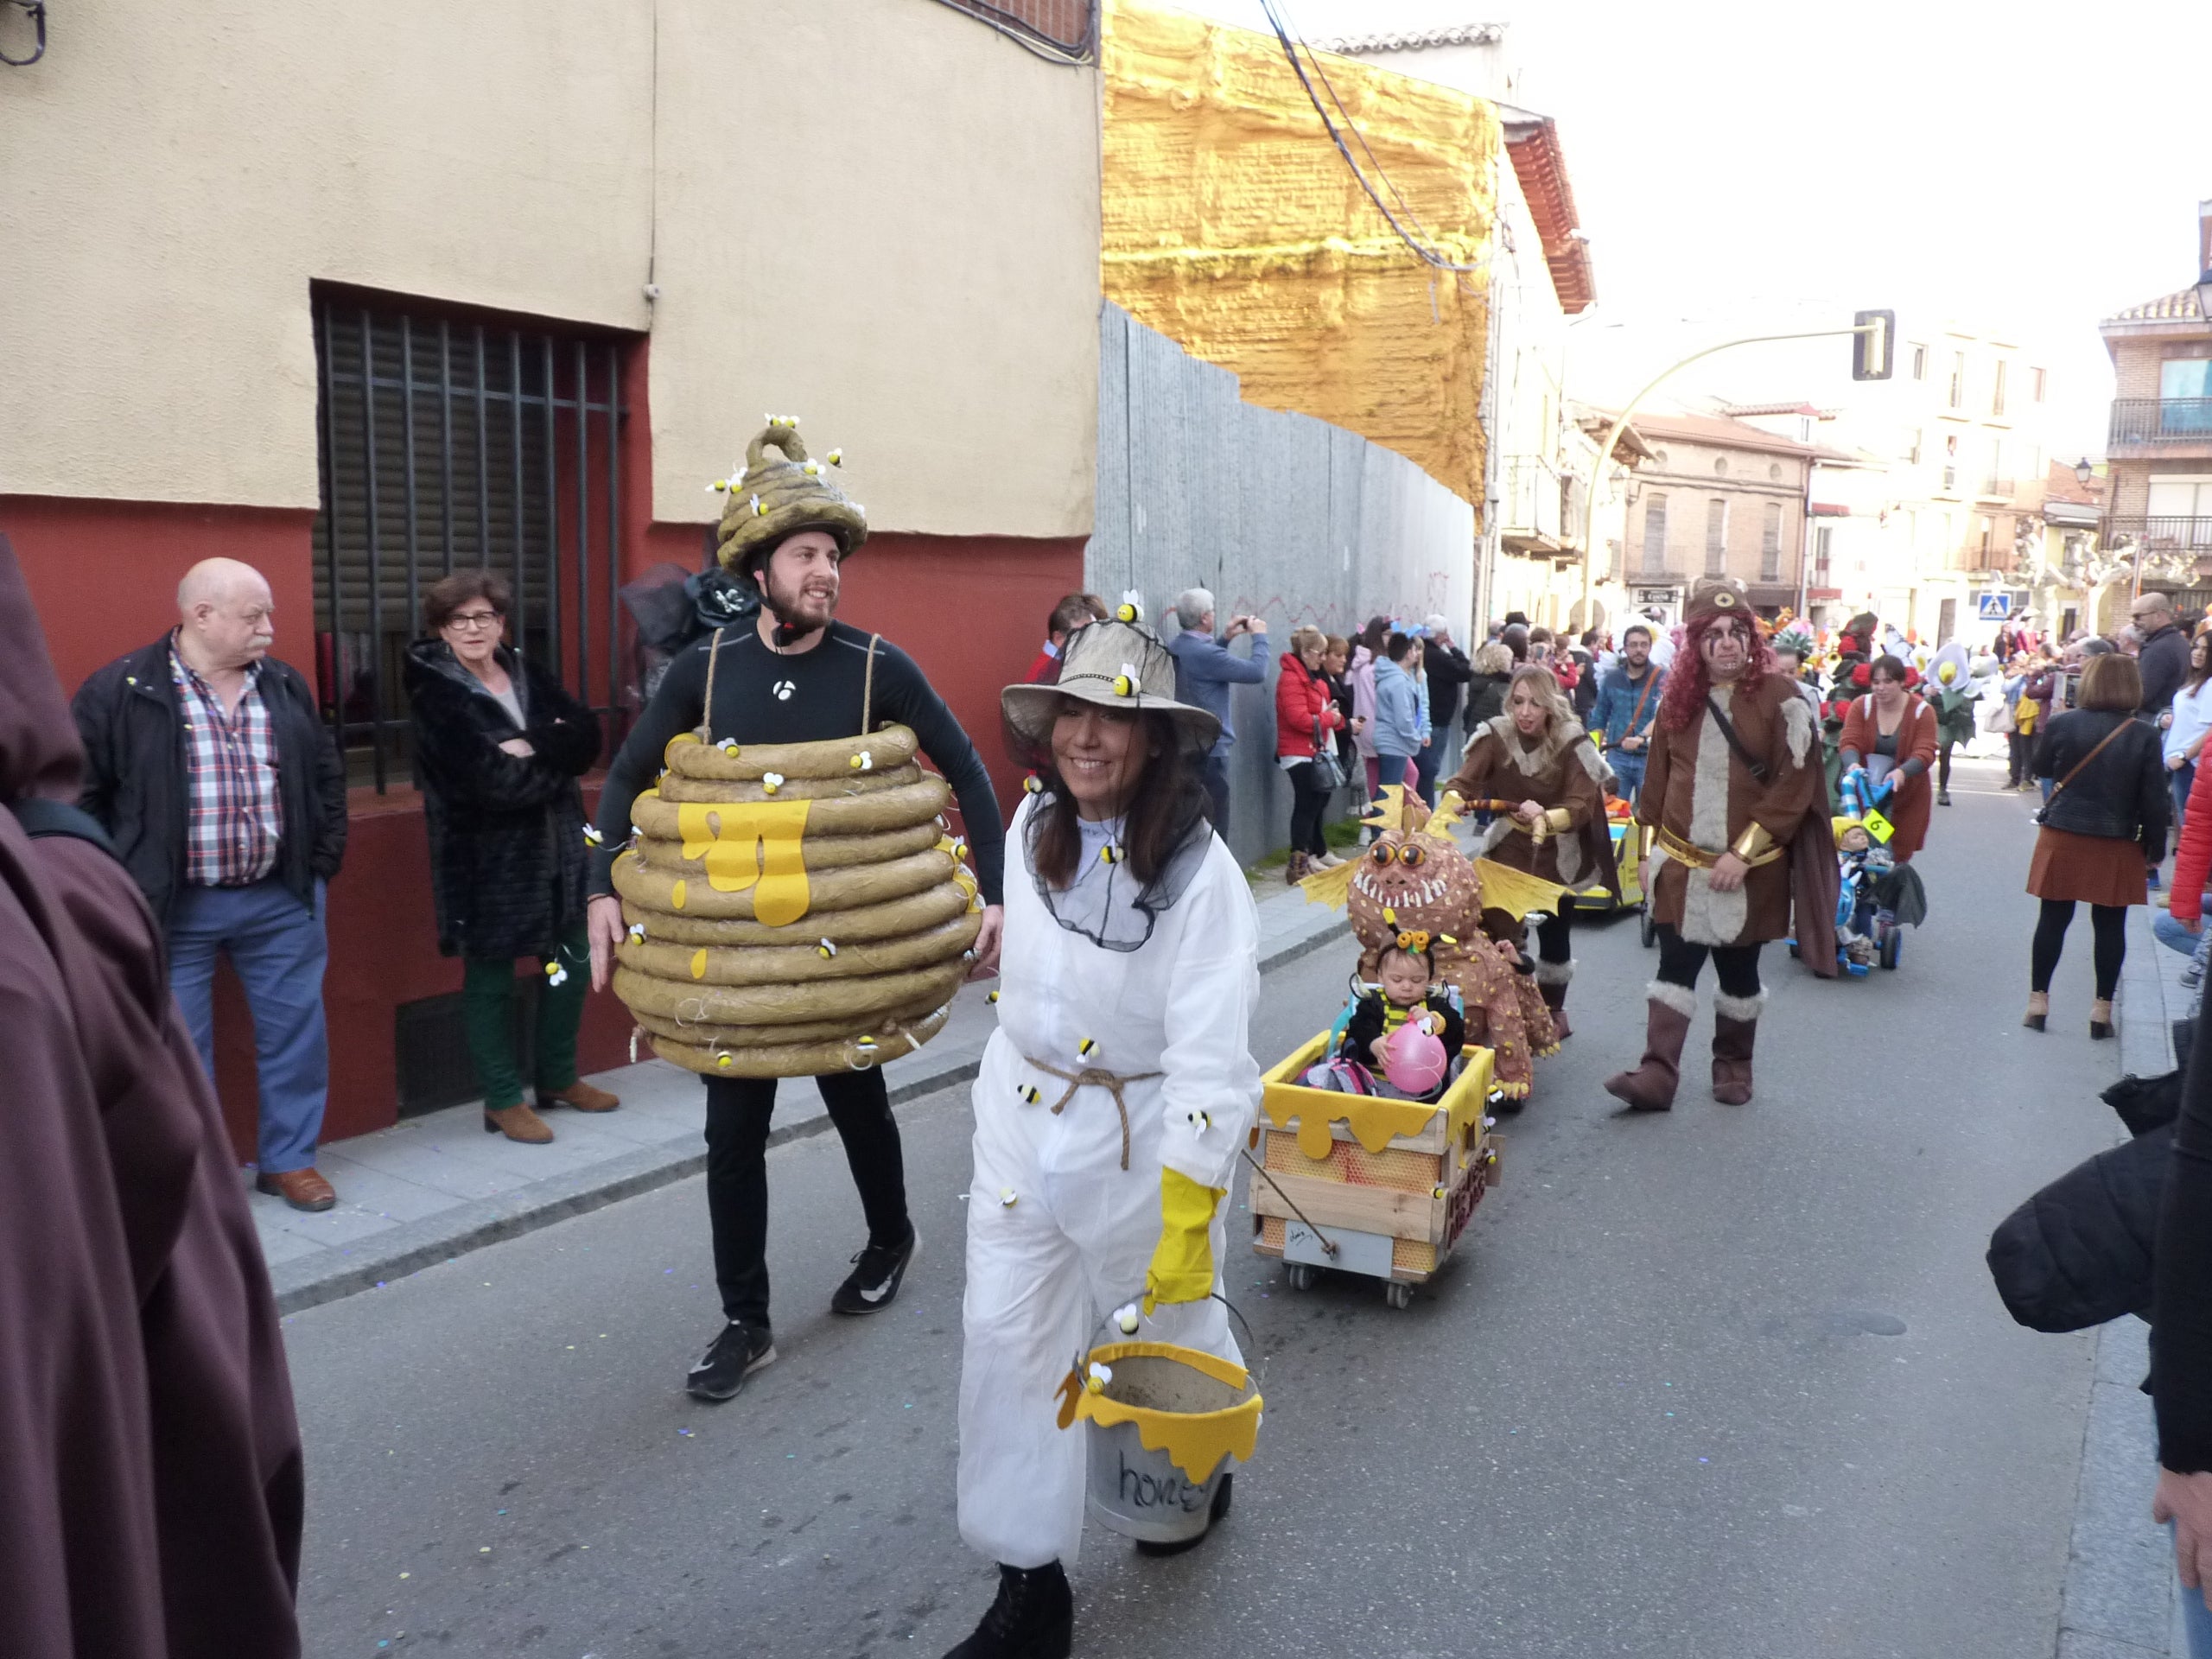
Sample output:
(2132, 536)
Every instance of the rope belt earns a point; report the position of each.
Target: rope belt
(1096, 1077)
(1697, 858)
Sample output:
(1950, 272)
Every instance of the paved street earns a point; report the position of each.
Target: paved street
(1731, 1382)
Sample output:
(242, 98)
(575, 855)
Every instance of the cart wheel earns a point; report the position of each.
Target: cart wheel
(1649, 928)
(1301, 1276)
(1892, 947)
(1398, 1295)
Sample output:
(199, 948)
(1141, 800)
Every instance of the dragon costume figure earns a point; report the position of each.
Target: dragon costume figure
(1415, 878)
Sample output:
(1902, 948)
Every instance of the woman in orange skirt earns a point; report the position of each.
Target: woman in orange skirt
(2104, 825)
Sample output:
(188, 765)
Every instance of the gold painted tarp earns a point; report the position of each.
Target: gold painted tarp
(1233, 227)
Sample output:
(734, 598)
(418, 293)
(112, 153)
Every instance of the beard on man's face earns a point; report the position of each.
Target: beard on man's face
(793, 607)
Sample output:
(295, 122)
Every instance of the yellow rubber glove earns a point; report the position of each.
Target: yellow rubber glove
(1182, 1266)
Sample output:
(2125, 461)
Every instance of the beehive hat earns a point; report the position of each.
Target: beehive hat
(1116, 665)
(779, 493)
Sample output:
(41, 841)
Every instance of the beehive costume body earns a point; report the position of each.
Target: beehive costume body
(1109, 1107)
(795, 903)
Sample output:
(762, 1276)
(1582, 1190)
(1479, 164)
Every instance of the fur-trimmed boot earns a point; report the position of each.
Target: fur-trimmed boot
(1650, 1087)
(1299, 867)
(1735, 1024)
(1552, 981)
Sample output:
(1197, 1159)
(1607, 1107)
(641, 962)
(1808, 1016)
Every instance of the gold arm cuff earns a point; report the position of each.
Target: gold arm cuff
(1560, 820)
(1753, 842)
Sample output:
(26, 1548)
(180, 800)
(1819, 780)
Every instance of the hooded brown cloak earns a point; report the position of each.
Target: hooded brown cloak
(150, 1460)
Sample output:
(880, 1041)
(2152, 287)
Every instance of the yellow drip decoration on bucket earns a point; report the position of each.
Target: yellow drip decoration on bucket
(1196, 1442)
(745, 843)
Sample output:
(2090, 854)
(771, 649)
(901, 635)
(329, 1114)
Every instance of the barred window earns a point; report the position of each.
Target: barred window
(452, 443)
(1770, 544)
(1716, 537)
(1655, 533)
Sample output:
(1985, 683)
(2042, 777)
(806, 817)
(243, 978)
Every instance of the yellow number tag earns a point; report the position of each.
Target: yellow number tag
(1878, 826)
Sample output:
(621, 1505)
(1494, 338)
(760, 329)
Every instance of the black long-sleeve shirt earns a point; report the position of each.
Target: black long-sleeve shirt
(762, 696)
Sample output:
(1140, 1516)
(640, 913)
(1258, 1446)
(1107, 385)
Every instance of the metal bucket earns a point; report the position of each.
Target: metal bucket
(1146, 1494)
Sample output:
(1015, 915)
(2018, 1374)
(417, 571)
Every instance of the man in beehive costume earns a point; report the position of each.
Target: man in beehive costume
(1111, 1103)
(794, 675)
(1733, 794)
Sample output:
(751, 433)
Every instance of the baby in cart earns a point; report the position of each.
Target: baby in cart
(1862, 864)
(1402, 1036)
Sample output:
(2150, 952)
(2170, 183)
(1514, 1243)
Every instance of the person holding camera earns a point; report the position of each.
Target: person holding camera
(1205, 670)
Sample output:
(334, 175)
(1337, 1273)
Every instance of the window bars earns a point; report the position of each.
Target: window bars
(450, 444)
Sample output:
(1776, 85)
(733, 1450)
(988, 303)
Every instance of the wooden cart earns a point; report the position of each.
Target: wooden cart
(1388, 1184)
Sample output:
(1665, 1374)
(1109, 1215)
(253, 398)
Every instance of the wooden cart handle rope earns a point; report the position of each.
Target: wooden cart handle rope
(1328, 1245)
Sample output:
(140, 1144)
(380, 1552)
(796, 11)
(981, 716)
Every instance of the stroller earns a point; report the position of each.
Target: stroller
(1877, 898)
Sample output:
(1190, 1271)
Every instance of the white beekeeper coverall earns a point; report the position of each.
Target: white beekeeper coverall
(1075, 1241)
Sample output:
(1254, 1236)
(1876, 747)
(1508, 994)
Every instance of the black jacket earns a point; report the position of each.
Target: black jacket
(2121, 795)
(1486, 696)
(1448, 669)
(1367, 1023)
(507, 852)
(2164, 659)
(135, 782)
(2079, 1252)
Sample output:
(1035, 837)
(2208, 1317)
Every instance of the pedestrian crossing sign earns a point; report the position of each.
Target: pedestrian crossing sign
(1879, 827)
(1996, 608)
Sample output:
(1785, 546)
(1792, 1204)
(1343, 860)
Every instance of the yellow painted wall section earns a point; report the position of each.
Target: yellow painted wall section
(1233, 225)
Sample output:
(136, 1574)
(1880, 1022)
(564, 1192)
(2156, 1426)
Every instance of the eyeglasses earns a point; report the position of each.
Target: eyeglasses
(473, 621)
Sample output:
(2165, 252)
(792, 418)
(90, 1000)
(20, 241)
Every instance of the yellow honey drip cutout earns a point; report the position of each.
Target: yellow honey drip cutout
(748, 844)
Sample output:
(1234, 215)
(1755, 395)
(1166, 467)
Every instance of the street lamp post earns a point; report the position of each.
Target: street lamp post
(1873, 330)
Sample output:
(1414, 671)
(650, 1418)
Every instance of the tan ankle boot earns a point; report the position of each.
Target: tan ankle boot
(1650, 1087)
(517, 1122)
(2100, 1017)
(580, 1096)
(2038, 1010)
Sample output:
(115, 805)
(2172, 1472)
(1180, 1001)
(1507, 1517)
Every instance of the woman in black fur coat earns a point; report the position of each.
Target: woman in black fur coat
(499, 746)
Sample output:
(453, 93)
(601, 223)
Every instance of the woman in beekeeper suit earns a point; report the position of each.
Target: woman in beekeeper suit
(1110, 1103)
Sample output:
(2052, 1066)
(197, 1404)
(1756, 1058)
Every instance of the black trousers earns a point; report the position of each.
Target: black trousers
(738, 1110)
(1553, 933)
(2021, 747)
(1307, 806)
(1943, 764)
(2110, 923)
(1737, 966)
(1215, 773)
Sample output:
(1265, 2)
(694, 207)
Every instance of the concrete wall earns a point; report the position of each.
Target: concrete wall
(1280, 515)
(830, 199)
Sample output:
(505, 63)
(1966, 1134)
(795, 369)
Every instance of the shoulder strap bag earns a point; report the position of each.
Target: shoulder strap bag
(2043, 812)
(1758, 769)
(1328, 775)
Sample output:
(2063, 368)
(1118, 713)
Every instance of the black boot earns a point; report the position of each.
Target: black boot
(1032, 1619)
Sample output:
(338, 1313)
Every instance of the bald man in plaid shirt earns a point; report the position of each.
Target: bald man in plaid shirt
(207, 761)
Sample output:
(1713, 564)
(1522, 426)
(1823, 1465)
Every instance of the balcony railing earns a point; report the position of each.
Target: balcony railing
(2162, 535)
(2161, 420)
(1996, 485)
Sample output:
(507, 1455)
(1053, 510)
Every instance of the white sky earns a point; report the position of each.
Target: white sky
(2025, 169)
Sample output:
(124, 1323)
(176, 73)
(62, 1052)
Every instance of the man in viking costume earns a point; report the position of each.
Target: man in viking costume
(793, 675)
(1733, 794)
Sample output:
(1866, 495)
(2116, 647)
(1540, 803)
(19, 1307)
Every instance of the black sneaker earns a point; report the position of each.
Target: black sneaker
(1032, 1619)
(733, 1356)
(872, 1285)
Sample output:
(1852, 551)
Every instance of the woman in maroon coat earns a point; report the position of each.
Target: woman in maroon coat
(149, 1462)
(1890, 724)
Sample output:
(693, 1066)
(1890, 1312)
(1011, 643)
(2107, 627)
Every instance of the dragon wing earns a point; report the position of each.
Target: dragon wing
(1517, 892)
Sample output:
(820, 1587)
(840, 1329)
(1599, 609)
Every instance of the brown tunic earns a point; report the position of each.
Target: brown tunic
(1696, 788)
(150, 1463)
(1561, 769)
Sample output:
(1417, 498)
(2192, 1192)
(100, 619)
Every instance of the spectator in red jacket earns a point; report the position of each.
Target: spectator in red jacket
(1076, 611)
(1305, 713)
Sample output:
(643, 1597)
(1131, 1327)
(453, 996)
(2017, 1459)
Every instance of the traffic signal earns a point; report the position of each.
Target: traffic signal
(1873, 344)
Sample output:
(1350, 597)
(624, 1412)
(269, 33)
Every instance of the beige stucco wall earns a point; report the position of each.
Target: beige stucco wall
(879, 216)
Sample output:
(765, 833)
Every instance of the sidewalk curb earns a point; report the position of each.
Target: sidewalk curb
(311, 1282)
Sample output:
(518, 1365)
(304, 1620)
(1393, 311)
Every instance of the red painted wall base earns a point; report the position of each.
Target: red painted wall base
(970, 610)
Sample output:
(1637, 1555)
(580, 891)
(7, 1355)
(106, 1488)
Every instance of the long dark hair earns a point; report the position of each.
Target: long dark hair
(2198, 676)
(1168, 803)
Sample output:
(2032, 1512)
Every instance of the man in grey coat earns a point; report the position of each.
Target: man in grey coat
(1205, 670)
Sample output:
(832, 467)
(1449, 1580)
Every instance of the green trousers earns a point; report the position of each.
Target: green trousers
(487, 1000)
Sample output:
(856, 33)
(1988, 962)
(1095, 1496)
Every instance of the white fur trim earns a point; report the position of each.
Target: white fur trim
(1567, 851)
(1797, 726)
(1593, 763)
(1500, 828)
(1681, 998)
(1745, 1008)
(1710, 918)
(1553, 973)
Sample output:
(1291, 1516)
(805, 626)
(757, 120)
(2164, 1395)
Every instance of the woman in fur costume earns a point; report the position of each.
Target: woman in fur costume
(1537, 772)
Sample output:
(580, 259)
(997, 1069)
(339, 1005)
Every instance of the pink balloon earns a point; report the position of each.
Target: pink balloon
(1413, 1061)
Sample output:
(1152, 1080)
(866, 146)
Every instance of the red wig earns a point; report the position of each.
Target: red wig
(1688, 682)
